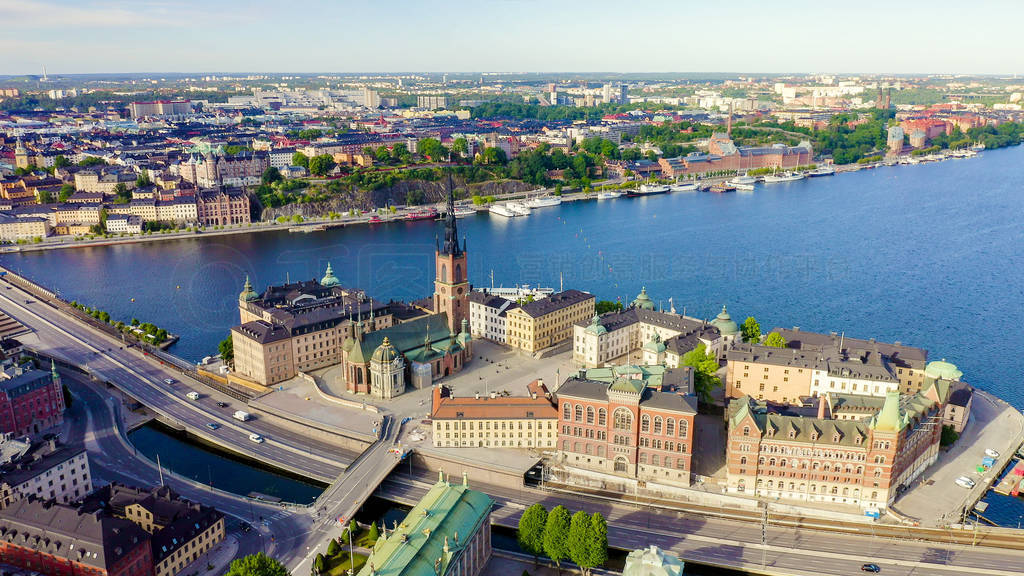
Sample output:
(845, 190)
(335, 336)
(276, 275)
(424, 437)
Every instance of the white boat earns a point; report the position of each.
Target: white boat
(463, 211)
(543, 202)
(822, 171)
(784, 177)
(745, 183)
(502, 210)
(685, 187)
(518, 208)
(608, 195)
(653, 189)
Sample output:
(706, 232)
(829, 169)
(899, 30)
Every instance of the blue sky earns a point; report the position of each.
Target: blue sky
(894, 36)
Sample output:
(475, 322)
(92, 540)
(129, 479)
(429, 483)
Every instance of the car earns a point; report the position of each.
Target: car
(991, 453)
(193, 395)
(222, 404)
(256, 438)
(169, 381)
(213, 425)
(964, 482)
(870, 568)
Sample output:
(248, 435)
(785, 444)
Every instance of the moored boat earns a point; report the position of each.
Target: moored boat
(422, 214)
(684, 187)
(502, 210)
(463, 211)
(822, 171)
(784, 177)
(608, 195)
(518, 208)
(745, 183)
(721, 188)
(543, 202)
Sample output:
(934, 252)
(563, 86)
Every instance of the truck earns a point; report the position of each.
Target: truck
(241, 415)
(193, 395)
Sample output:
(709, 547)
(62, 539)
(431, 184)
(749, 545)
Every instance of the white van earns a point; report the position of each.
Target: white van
(193, 395)
(256, 438)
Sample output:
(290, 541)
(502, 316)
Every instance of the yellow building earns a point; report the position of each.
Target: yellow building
(549, 321)
(13, 229)
(495, 422)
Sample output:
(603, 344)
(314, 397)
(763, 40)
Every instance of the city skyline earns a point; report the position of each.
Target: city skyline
(509, 36)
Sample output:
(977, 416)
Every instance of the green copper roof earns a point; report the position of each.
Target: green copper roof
(595, 326)
(652, 561)
(724, 323)
(644, 301)
(432, 535)
(248, 294)
(329, 278)
(655, 345)
(407, 338)
(652, 375)
(889, 419)
(628, 385)
(943, 369)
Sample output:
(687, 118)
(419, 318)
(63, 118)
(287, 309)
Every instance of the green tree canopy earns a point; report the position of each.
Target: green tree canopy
(300, 159)
(705, 368)
(92, 161)
(556, 536)
(258, 564)
(431, 148)
(597, 541)
(322, 164)
(333, 548)
(774, 340)
(45, 197)
(226, 348)
(60, 161)
(271, 175)
(65, 192)
(603, 306)
(751, 330)
(460, 147)
(123, 196)
(142, 181)
(531, 530)
(577, 543)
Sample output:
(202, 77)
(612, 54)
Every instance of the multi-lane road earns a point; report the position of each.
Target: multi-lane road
(737, 544)
(146, 379)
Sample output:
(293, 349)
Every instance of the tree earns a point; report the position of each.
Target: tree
(531, 530)
(60, 161)
(300, 159)
(414, 197)
(310, 134)
(123, 196)
(604, 306)
(775, 340)
(597, 541)
(321, 165)
(353, 527)
(333, 548)
(577, 542)
(430, 148)
(460, 147)
(373, 533)
(751, 330)
(318, 563)
(494, 156)
(226, 349)
(65, 192)
(556, 534)
(705, 368)
(92, 161)
(45, 197)
(400, 154)
(271, 175)
(258, 564)
(142, 181)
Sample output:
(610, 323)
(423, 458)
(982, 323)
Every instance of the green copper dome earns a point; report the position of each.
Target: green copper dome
(596, 327)
(655, 345)
(725, 324)
(385, 353)
(329, 278)
(248, 294)
(643, 301)
(943, 369)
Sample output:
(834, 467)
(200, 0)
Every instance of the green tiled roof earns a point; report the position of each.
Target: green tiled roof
(628, 385)
(652, 375)
(437, 528)
(407, 338)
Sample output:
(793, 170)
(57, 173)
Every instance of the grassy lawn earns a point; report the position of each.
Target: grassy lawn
(339, 565)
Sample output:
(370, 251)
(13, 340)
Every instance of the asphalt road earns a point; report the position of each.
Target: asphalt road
(144, 378)
(111, 459)
(738, 544)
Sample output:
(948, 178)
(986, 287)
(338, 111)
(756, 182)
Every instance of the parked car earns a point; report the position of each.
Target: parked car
(991, 453)
(965, 482)
(213, 425)
(870, 568)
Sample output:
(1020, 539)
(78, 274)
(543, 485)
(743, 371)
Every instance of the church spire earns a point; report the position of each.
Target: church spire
(451, 233)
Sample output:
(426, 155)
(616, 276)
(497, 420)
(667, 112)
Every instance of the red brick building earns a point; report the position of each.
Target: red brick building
(723, 154)
(627, 429)
(30, 401)
(783, 452)
(223, 207)
(59, 540)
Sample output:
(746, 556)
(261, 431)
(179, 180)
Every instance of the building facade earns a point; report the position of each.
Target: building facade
(31, 401)
(534, 326)
(488, 316)
(495, 422)
(47, 470)
(223, 207)
(626, 428)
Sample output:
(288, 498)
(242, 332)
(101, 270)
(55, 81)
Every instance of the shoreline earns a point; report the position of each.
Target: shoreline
(322, 224)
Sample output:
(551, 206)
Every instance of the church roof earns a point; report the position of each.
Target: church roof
(407, 338)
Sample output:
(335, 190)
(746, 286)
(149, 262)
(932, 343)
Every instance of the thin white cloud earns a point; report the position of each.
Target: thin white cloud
(35, 14)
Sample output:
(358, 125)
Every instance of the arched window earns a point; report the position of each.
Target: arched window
(566, 411)
(684, 429)
(741, 486)
(602, 417)
(654, 460)
(670, 427)
(657, 424)
(668, 462)
(643, 458)
(576, 447)
(746, 429)
(743, 460)
(645, 423)
(600, 451)
(458, 273)
(622, 419)
(579, 412)
(620, 464)
(444, 273)
(590, 414)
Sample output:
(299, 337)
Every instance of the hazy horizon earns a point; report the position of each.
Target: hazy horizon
(509, 36)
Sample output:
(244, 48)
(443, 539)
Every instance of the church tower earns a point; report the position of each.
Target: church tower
(451, 285)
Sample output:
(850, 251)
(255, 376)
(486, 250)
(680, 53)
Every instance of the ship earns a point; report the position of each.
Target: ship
(519, 208)
(822, 171)
(647, 190)
(609, 195)
(684, 187)
(502, 210)
(745, 183)
(463, 211)
(543, 202)
(422, 214)
(721, 188)
(784, 177)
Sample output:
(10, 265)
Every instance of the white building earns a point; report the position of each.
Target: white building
(124, 224)
(47, 471)
(487, 316)
(867, 374)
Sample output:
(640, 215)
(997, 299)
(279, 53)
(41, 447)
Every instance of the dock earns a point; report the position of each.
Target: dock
(1010, 483)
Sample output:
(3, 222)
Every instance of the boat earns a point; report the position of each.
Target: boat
(543, 202)
(423, 214)
(784, 177)
(463, 211)
(375, 220)
(822, 171)
(978, 147)
(745, 183)
(647, 190)
(721, 188)
(519, 208)
(502, 210)
(684, 187)
(608, 195)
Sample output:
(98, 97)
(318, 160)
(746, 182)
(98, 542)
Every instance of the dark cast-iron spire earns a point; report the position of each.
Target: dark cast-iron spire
(451, 233)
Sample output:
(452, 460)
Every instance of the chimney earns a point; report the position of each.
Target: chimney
(494, 395)
(477, 395)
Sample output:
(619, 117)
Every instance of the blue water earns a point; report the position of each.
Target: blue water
(928, 255)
